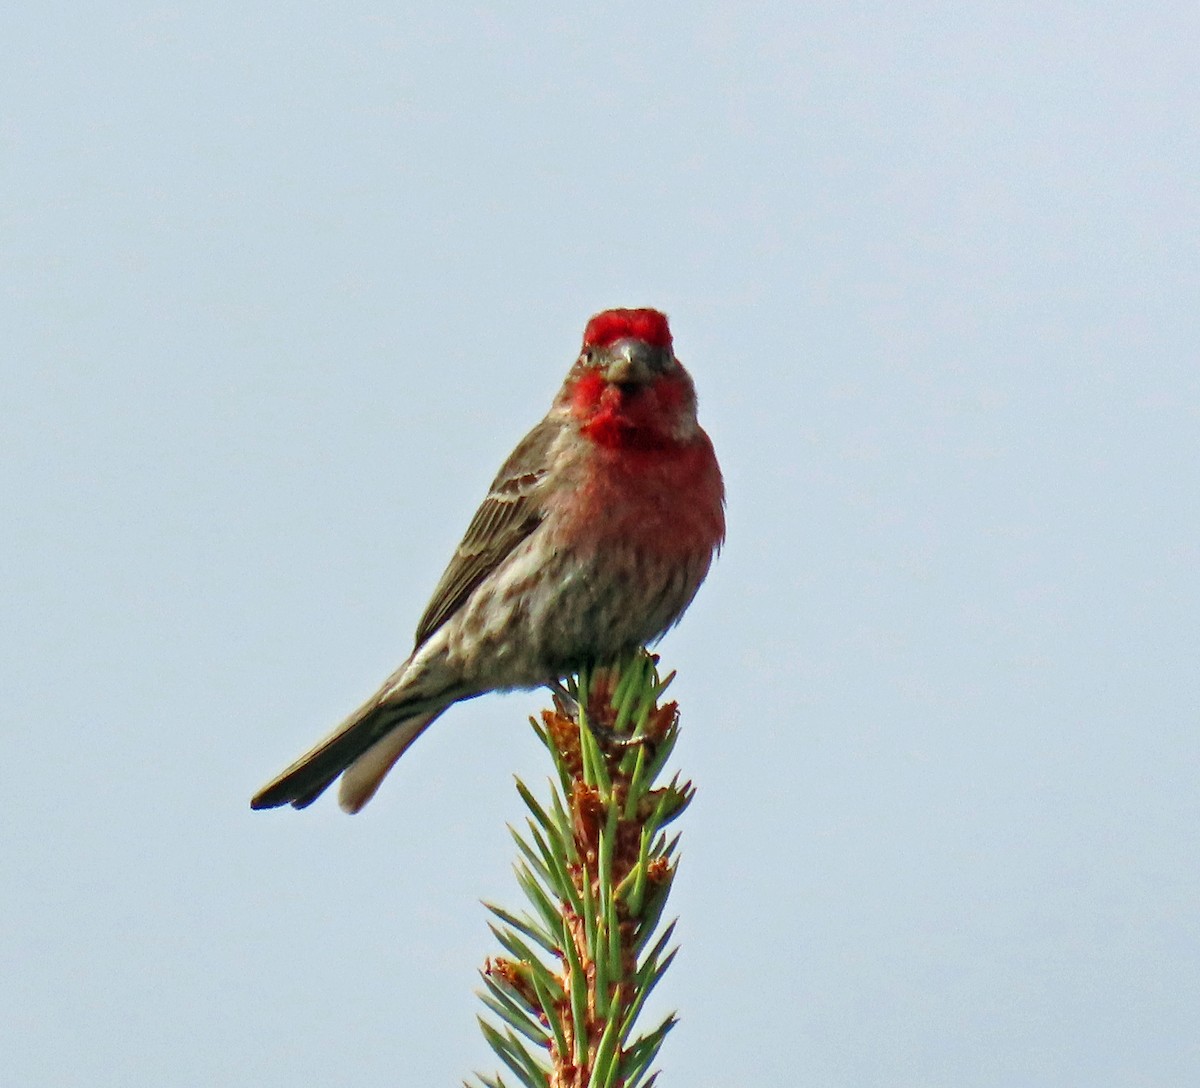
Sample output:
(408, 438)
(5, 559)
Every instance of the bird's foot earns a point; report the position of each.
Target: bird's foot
(564, 702)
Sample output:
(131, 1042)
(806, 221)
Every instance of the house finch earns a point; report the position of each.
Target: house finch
(592, 541)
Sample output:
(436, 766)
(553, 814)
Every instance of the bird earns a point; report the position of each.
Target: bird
(592, 541)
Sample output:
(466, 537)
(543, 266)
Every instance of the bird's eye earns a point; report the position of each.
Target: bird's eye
(586, 355)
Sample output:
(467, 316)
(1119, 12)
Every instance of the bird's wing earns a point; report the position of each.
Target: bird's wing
(507, 516)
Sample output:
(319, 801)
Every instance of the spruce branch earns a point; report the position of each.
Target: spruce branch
(596, 867)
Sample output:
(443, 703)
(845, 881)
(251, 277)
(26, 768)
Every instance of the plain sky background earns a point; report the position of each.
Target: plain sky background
(282, 285)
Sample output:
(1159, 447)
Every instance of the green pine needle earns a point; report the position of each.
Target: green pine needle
(509, 1015)
(524, 924)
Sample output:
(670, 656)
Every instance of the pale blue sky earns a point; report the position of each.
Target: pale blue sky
(281, 286)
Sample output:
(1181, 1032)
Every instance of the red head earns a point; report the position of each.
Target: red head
(627, 390)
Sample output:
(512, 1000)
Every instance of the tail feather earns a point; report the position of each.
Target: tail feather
(363, 776)
(373, 733)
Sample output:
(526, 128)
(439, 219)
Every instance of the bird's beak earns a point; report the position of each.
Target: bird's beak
(630, 362)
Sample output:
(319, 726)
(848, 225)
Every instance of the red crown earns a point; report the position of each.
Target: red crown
(612, 325)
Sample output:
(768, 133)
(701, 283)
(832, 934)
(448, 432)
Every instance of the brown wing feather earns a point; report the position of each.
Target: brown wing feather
(507, 516)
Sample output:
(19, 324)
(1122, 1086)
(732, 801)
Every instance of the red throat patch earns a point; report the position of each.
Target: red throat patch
(613, 325)
(615, 419)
